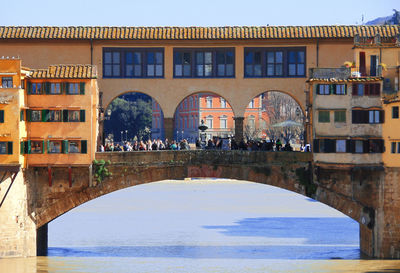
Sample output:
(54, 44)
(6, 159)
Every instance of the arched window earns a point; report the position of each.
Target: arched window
(191, 103)
(251, 104)
(223, 103)
(209, 102)
(251, 121)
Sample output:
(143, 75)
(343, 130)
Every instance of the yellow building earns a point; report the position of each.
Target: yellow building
(48, 116)
(391, 130)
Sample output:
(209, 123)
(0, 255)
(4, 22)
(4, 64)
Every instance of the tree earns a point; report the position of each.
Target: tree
(133, 115)
(279, 107)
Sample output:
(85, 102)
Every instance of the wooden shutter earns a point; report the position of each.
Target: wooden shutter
(348, 146)
(9, 147)
(82, 116)
(318, 92)
(29, 115)
(315, 147)
(45, 115)
(83, 146)
(365, 146)
(43, 147)
(65, 115)
(48, 146)
(64, 146)
(381, 116)
(82, 88)
(352, 146)
(21, 115)
(46, 87)
(345, 89)
(1, 116)
(67, 88)
(355, 89)
(365, 116)
(29, 87)
(367, 89)
(28, 147)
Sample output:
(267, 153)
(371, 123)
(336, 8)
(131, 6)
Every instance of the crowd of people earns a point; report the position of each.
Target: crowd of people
(214, 143)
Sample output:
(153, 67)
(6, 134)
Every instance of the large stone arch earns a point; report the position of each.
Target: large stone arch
(292, 173)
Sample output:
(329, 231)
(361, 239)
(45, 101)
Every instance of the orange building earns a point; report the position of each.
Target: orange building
(49, 116)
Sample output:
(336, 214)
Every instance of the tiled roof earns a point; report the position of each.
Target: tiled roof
(334, 80)
(80, 71)
(193, 33)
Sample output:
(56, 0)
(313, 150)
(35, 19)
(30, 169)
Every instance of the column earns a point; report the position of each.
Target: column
(238, 128)
(169, 128)
(42, 241)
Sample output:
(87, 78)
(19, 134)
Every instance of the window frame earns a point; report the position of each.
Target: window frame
(340, 114)
(321, 117)
(214, 62)
(395, 112)
(143, 65)
(285, 61)
(5, 81)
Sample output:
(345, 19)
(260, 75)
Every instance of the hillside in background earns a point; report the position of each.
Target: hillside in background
(390, 20)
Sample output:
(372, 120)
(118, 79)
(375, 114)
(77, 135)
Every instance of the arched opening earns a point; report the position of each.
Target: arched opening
(275, 117)
(132, 117)
(207, 108)
(205, 219)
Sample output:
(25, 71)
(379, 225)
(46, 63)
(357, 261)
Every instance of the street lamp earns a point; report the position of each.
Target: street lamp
(126, 135)
(121, 136)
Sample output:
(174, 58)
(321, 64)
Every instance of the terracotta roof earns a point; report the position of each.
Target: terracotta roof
(192, 33)
(80, 71)
(334, 80)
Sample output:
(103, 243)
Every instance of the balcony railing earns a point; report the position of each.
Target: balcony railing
(357, 72)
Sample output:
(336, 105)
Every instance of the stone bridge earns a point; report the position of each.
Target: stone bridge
(367, 194)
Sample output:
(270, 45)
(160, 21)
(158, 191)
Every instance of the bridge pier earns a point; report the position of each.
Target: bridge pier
(169, 128)
(42, 240)
(239, 129)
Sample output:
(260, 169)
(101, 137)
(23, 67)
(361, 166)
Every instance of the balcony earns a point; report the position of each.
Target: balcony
(358, 72)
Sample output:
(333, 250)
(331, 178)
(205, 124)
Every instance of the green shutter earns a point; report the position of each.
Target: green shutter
(65, 115)
(82, 88)
(332, 88)
(82, 116)
(317, 89)
(83, 146)
(345, 89)
(29, 115)
(1, 116)
(43, 147)
(28, 147)
(45, 115)
(22, 147)
(48, 146)
(21, 115)
(9, 147)
(65, 146)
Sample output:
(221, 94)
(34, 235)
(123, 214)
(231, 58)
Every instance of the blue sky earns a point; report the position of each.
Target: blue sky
(193, 13)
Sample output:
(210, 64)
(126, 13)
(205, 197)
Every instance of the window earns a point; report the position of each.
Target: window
(296, 62)
(223, 103)
(36, 147)
(274, 63)
(55, 88)
(54, 115)
(6, 147)
(340, 115)
(323, 89)
(223, 122)
(251, 104)
(201, 63)
(54, 146)
(340, 89)
(209, 122)
(73, 115)
(73, 146)
(359, 146)
(73, 89)
(7, 82)
(395, 112)
(133, 62)
(35, 115)
(371, 89)
(225, 63)
(253, 66)
(209, 102)
(1, 116)
(323, 116)
(367, 116)
(340, 145)
(374, 116)
(35, 88)
(393, 147)
(375, 146)
(251, 122)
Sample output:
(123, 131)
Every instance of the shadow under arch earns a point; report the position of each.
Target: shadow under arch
(157, 118)
(148, 167)
(203, 106)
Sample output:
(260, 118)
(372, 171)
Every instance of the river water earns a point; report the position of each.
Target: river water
(202, 226)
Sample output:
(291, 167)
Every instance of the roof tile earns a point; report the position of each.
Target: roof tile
(65, 72)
